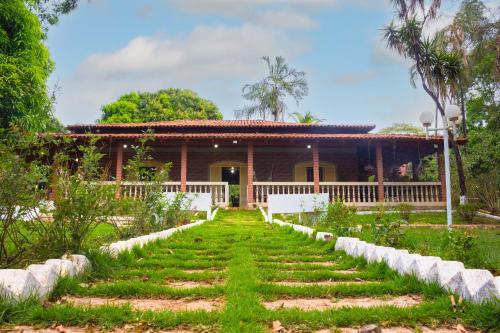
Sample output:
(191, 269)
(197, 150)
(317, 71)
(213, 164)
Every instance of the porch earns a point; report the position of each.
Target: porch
(259, 158)
(359, 194)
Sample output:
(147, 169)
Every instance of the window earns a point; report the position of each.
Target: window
(310, 174)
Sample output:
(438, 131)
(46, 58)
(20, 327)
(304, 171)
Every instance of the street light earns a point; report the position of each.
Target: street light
(452, 115)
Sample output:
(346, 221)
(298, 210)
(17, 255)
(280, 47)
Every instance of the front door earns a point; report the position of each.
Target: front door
(234, 173)
(232, 176)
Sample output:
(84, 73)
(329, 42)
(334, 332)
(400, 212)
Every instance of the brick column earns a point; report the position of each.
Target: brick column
(442, 177)
(119, 169)
(250, 174)
(184, 151)
(316, 167)
(380, 171)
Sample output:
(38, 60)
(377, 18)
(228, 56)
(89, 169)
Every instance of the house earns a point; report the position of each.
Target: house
(265, 157)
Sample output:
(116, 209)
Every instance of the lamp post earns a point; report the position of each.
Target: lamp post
(453, 116)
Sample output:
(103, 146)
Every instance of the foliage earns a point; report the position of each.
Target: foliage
(306, 118)
(462, 246)
(48, 11)
(166, 104)
(402, 128)
(234, 195)
(388, 231)
(485, 187)
(339, 217)
(81, 203)
(267, 96)
(404, 211)
(153, 212)
(438, 69)
(467, 212)
(379, 212)
(25, 66)
(21, 195)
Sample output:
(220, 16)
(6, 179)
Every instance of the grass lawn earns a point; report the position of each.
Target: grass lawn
(238, 274)
(427, 241)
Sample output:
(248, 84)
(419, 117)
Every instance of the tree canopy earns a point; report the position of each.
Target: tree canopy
(166, 104)
(306, 118)
(267, 96)
(25, 66)
(402, 128)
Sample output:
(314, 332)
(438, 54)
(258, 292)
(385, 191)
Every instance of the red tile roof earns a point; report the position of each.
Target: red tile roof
(218, 123)
(264, 136)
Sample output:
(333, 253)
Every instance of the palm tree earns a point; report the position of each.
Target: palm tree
(267, 96)
(306, 118)
(438, 70)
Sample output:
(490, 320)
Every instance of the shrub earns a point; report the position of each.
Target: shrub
(234, 195)
(404, 211)
(379, 212)
(467, 212)
(81, 201)
(339, 217)
(388, 232)
(21, 196)
(462, 246)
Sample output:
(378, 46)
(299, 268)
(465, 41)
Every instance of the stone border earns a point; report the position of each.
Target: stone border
(476, 285)
(39, 280)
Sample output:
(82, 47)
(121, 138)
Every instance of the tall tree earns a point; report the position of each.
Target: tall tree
(437, 69)
(306, 118)
(24, 68)
(48, 11)
(167, 104)
(268, 96)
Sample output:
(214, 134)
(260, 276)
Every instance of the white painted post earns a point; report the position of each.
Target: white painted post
(447, 173)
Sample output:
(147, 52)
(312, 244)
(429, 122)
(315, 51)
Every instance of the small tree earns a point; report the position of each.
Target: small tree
(22, 175)
(81, 202)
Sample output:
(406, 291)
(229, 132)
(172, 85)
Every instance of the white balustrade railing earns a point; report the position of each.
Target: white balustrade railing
(356, 193)
(412, 192)
(219, 190)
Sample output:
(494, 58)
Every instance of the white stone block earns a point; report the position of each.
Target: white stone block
(359, 249)
(476, 285)
(18, 284)
(442, 271)
(422, 266)
(351, 246)
(63, 267)
(80, 261)
(391, 257)
(405, 261)
(324, 236)
(339, 243)
(368, 250)
(47, 277)
(377, 255)
(496, 281)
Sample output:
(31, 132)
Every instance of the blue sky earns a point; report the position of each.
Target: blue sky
(109, 47)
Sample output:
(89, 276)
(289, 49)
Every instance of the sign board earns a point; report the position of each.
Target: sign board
(295, 203)
(193, 201)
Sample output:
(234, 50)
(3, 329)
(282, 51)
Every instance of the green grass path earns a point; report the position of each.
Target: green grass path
(242, 262)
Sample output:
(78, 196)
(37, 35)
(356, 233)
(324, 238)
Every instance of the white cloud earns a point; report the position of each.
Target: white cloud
(210, 59)
(286, 20)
